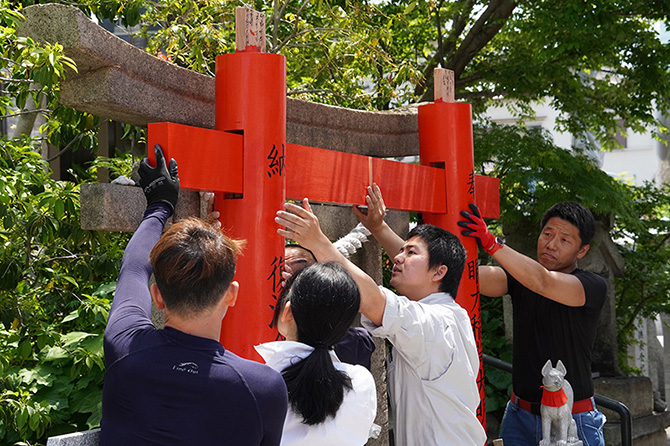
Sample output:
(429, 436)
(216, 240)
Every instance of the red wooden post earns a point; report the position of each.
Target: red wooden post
(445, 141)
(251, 99)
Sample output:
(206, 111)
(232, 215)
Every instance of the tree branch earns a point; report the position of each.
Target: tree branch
(459, 21)
(67, 147)
(17, 81)
(30, 112)
(485, 28)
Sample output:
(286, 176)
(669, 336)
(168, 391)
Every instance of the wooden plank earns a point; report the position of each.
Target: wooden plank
(487, 196)
(443, 85)
(249, 30)
(212, 160)
(329, 176)
(336, 177)
(208, 160)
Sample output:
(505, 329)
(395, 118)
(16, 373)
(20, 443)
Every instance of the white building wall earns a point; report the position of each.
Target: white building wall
(637, 161)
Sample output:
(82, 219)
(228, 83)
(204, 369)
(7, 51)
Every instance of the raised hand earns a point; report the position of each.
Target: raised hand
(475, 226)
(373, 219)
(300, 224)
(161, 183)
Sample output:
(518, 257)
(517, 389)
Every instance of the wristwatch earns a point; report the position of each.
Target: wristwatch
(499, 243)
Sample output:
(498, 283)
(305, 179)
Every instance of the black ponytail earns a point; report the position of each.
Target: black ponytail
(324, 301)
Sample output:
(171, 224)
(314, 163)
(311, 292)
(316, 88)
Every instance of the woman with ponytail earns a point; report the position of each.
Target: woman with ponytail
(330, 402)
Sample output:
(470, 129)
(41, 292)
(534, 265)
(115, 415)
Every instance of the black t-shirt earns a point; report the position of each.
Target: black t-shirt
(545, 329)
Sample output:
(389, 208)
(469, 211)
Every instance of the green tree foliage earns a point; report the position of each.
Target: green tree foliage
(537, 174)
(598, 63)
(56, 282)
(56, 279)
(645, 246)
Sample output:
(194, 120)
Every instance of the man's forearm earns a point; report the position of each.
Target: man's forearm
(560, 287)
(390, 241)
(135, 269)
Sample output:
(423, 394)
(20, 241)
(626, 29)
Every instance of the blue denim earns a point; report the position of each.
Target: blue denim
(521, 428)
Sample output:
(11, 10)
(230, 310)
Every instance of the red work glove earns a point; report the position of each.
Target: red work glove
(476, 227)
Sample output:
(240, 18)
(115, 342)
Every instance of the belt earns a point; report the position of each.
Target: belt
(580, 406)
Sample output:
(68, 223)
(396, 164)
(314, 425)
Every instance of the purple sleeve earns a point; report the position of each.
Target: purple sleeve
(273, 411)
(131, 307)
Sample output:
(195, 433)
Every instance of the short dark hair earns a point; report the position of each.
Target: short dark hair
(574, 213)
(324, 301)
(295, 245)
(194, 264)
(444, 248)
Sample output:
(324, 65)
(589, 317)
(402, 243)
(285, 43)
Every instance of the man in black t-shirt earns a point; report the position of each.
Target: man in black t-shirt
(556, 311)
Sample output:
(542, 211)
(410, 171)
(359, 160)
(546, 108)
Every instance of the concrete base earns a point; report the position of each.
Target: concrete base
(648, 427)
(87, 438)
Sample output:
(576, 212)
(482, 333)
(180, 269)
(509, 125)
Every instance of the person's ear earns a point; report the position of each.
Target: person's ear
(157, 297)
(582, 251)
(439, 273)
(286, 313)
(230, 298)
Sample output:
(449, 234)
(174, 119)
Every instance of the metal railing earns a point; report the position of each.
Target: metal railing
(624, 414)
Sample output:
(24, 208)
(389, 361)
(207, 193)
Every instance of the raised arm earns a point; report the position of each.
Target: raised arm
(132, 301)
(300, 224)
(373, 220)
(557, 286)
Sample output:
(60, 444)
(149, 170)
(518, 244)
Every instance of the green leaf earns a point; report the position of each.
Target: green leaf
(55, 353)
(22, 417)
(73, 338)
(59, 209)
(35, 419)
(25, 349)
(90, 402)
(70, 317)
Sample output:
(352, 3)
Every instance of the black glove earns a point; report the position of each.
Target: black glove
(160, 184)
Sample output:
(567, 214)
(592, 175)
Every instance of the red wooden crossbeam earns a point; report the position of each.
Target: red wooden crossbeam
(208, 160)
(337, 177)
(212, 160)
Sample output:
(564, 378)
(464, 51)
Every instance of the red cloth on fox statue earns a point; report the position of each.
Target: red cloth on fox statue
(553, 399)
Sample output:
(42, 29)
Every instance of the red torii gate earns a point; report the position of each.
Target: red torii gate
(244, 161)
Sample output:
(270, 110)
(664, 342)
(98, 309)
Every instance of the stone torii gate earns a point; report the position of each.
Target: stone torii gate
(251, 179)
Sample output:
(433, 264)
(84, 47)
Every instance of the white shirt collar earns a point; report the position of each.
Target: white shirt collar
(281, 354)
(437, 298)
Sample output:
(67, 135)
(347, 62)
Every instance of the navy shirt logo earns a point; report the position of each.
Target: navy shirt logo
(186, 367)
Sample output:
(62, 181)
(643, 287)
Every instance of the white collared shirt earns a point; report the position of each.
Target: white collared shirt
(432, 371)
(353, 421)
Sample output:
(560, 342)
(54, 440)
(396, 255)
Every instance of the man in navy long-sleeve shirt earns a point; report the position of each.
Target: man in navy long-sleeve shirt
(179, 385)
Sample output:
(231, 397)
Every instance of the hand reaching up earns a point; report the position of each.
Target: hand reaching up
(300, 224)
(373, 219)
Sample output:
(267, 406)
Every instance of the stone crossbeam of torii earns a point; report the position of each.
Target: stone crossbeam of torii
(259, 135)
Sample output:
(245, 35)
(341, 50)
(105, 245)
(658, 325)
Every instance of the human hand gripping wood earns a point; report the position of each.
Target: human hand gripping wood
(300, 224)
(373, 219)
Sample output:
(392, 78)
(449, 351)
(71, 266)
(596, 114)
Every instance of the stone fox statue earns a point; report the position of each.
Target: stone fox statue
(558, 426)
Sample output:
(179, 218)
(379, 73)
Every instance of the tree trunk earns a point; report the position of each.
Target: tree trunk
(29, 114)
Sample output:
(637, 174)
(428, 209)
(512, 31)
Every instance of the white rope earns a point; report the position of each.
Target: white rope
(353, 241)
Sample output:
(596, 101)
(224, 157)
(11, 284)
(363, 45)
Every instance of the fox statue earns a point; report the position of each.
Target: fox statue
(558, 426)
